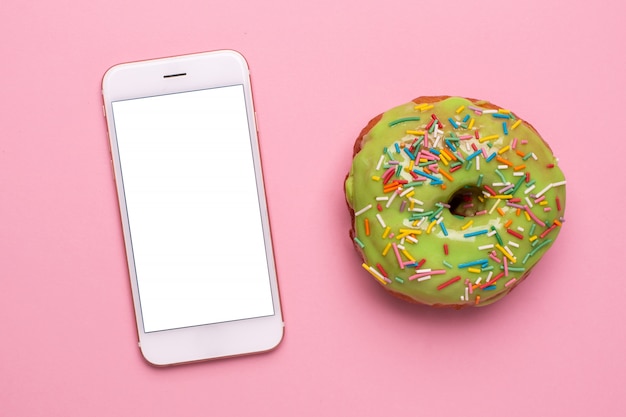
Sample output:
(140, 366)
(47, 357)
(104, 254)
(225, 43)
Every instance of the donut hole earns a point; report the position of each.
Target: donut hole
(467, 201)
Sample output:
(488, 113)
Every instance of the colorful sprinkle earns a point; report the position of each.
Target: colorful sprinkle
(474, 263)
(447, 283)
(404, 119)
(363, 210)
(476, 233)
(375, 274)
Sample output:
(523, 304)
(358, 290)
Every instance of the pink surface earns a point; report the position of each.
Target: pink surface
(320, 71)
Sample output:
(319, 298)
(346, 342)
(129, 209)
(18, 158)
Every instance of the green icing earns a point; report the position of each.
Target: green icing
(467, 237)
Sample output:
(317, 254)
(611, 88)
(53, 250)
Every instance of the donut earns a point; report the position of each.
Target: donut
(452, 200)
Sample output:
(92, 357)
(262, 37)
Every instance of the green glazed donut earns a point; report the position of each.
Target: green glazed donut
(453, 200)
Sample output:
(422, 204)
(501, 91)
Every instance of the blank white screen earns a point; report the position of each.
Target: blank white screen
(193, 209)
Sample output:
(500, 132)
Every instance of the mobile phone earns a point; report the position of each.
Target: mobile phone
(188, 174)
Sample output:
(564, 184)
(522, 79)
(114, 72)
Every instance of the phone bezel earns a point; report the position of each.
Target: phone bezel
(202, 71)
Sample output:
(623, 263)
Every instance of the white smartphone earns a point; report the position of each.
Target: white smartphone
(187, 168)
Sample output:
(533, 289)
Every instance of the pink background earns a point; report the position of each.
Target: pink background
(320, 70)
